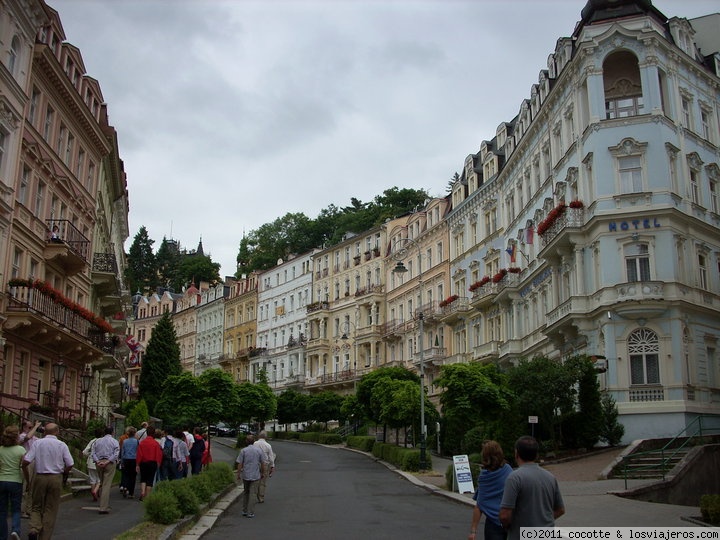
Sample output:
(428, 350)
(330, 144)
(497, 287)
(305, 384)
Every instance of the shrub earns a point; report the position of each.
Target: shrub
(220, 475)
(310, 436)
(188, 502)
(473, 440)
(201, 485)
(161, 506)
(329, 438)
(710, 508)
(361, 443)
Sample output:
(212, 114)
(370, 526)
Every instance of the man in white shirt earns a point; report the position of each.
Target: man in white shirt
(52, 461)
(105, 454)
(270, 459)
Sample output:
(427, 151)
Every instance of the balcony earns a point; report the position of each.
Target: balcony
(340, 379)
(393, 329)
(454, 311)
(67, 246)
(294, 381)
(370, 294)
(317, 306)
(555, 237)
(489, 351)
(430, 311)
(53, 321)
(484, 295)
(434, 355)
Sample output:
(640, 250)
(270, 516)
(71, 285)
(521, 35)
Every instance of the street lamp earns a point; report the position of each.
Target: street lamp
(86, 380)
(345, 339)
(401, 269)
(58, 372)
(123, 385)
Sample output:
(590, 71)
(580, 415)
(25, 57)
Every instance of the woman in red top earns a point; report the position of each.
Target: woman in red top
(149, 457)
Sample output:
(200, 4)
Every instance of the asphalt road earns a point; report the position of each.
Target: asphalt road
(327, 493)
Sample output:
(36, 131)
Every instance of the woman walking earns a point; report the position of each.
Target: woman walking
(491, 484)
(11, 481)
(149, 458)
(92, 470)
(128, 455)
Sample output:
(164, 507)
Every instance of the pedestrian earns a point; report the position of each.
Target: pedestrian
(207, 456)
(128, 455)
(27, 439)
(251, 466)
(196, 452)
(189, 441)
(181, 454)
(489, 492)
(92, 470)
(121, 441)
(53, 462)
(142, 432)
(11, 481)
(106, 453)
(532, 496)
(167, 466)
(149, 458)
(269, 459)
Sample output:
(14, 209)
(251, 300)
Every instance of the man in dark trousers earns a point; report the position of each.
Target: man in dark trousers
(251, 466)
(532, 495)
(52, 461)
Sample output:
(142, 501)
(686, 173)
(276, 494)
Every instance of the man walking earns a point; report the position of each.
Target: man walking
(251, 466)
(105, 454)
(532, 496)
(269, 459)
(52, 461)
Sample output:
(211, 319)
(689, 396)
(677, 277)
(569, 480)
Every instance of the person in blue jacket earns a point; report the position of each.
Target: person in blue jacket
(489, 492)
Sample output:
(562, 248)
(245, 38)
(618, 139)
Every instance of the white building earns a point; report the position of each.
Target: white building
(604, 190)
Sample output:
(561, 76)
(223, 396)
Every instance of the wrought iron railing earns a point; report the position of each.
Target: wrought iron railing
(62, 231)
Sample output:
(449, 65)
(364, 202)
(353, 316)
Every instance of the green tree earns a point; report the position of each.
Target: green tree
(368, 382)
(292, 407)
(160, 361)
(586, 422)
(179, 400)
(255, 402)
(141, 270)
(474, 395)
(168, 259)
(325, 406)
(197, 268)
(611, 431)
(138, 415)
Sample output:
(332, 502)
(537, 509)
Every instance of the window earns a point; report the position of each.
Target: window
(686, 115)
(3, 143)
(61, 140)
(49, 118)
(705, 121)
(69, 149)
(17, 263)
(14, 53)
(24, 183)
(621, 82)
(694, 189)
(702, 271)
(630, 170)
(34, 99)
(714, 196)
(643, 348)
(39, 199)
(637, 262)
(80, 163)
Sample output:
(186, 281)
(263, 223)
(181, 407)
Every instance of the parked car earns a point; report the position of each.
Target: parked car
(246, 429)
(222, 430)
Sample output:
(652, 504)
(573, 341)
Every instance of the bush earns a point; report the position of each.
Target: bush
(329, 438)
(220, 475)
(202, 486)
(161, 506)
(473, 440)
(710, 508)
(310, 436)
(408, 459)
(361, 443)
(188, 502)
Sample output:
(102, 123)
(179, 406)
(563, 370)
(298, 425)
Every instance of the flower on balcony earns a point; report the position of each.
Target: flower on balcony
(551, 218)
(478, 284)
(576, 204)
(449, 300)
(514, 270)
(497, 278)
(57, 297)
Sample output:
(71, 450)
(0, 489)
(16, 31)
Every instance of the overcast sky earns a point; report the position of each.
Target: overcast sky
(232, 113)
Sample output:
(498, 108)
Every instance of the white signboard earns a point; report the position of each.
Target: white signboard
(463, 474)
(532, 419)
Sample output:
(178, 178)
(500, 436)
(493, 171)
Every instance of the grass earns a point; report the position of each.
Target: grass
(143, 531)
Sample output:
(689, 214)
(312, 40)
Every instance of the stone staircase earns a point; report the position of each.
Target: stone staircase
(651, 464)
(79, 483)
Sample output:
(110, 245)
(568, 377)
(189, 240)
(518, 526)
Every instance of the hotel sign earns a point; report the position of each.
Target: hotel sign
(633, 224)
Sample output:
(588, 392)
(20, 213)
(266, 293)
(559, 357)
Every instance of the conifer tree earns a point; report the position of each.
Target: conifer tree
(160, 360)
(141, 271)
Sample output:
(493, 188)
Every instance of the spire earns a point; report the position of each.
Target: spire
(200, 248)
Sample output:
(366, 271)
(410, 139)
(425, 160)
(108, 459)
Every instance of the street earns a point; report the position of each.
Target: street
(321, 492)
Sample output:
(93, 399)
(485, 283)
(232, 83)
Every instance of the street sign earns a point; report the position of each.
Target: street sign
(463, 474)
(532, 419)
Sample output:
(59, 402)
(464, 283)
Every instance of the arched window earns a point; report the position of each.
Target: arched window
(643, 349)
(623, 90)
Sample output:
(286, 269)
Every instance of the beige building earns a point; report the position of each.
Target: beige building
(64, 203)
(240, 333)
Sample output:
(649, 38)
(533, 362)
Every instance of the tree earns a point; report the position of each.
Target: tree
(611, 431)
(292, 407)
(141, 271)
(178, 403)
(586, 423)
(474, 395)
(197, 268)
(255, 402)
(138, 415)
(367, 382)
(168, 260)
(160, 361)
(325, 406)
(397, 401)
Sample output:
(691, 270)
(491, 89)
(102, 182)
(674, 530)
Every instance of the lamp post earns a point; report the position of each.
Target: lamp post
(123, 385)
(58, 371)
(86, 380)
(345, 339)
(401, 269)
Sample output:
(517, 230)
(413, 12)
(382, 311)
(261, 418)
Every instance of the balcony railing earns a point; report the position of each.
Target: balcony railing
(571, 217)
(105, 263)
(62, 231)
(30, 300)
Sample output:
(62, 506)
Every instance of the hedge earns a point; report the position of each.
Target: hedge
(408, 459)
(361, 443)
(710, 508)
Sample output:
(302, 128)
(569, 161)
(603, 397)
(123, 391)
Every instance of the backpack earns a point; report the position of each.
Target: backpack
(168, 449)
